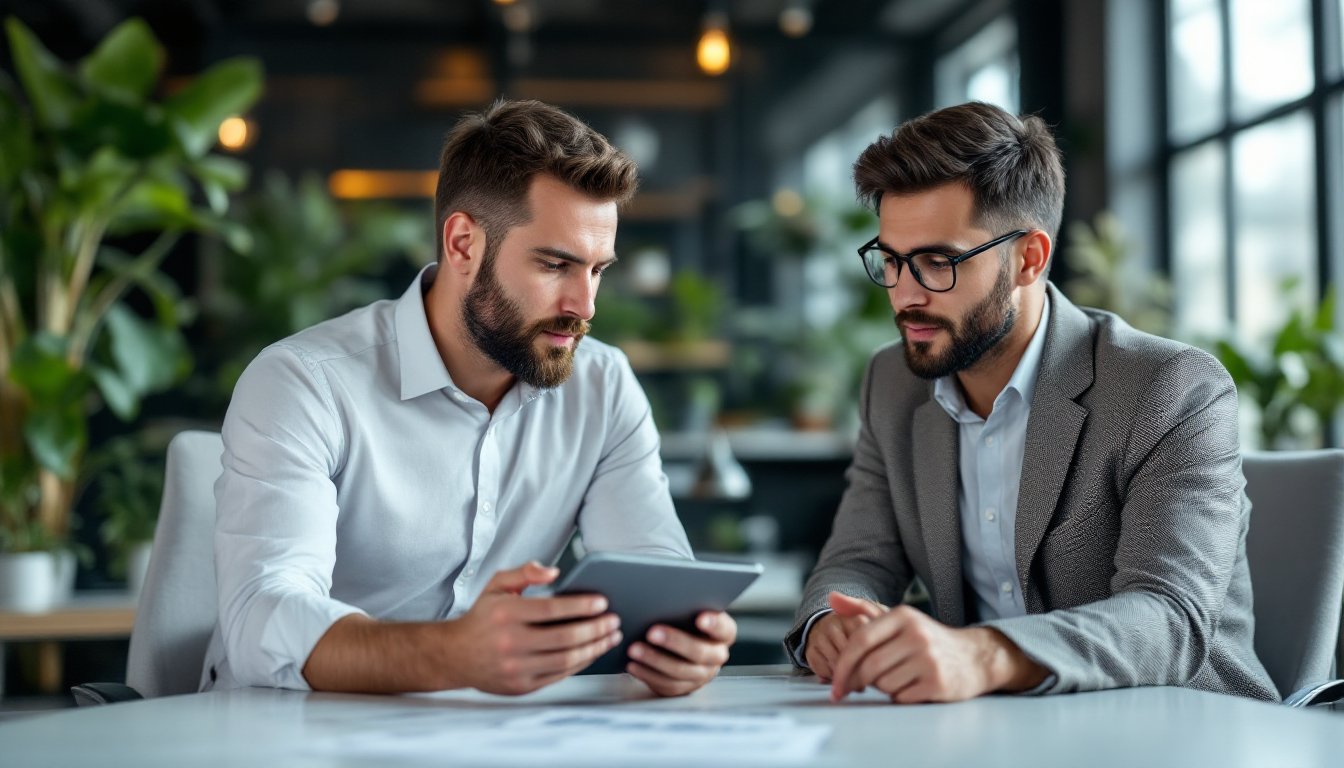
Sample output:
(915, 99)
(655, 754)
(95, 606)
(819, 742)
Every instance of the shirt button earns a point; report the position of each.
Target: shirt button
(470, 572)
(989, 441)
(486, 507)
(990, 514)
(1006, 587)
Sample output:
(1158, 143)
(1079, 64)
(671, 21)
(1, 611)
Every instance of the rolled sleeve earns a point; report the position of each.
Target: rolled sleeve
(275, 530)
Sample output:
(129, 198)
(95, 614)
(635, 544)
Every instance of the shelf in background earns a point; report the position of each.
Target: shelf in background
(764, 444)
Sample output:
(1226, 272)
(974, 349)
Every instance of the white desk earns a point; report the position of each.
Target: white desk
(1134, 727)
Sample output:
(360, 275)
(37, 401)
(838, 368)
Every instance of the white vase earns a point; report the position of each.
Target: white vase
(137, 565)
(29, 581)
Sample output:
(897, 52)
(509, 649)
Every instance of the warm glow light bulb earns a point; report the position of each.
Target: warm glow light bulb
(713, 54)
(233, 133)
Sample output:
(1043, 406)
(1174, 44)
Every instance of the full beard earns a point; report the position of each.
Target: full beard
(497, 327)
(985, 326)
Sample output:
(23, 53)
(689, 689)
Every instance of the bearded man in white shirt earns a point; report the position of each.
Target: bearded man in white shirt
(387, 472)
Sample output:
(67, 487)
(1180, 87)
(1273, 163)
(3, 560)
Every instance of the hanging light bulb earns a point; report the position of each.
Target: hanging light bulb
(714, 51)
(796, 19)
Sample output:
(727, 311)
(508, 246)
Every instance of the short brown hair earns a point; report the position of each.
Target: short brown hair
(490, 158)
(1011, 165)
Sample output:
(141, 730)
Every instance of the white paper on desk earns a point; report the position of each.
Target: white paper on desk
(608, 736)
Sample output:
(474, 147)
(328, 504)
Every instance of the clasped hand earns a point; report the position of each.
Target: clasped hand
(910, 656)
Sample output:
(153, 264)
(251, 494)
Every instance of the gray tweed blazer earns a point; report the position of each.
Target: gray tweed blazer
(1131, 520)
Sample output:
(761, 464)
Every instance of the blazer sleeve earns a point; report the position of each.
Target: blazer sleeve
(1183, 521)
(864, 556)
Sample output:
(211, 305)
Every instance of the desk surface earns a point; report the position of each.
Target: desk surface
(1132, 727)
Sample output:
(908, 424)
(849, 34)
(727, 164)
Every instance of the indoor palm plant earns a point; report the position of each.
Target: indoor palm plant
(97, 180)
(1297, 385)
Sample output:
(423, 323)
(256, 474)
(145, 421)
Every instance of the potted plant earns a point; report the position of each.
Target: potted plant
(309, 259)
(1298, 385)
(92, 166)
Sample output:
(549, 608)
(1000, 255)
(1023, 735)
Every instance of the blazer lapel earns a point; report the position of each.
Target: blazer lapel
(937, 466)
(1053, 429)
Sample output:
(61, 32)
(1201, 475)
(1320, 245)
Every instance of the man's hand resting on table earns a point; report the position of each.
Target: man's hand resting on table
(913, 658)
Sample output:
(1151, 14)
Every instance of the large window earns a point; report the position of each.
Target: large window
(983, 68)
(1250, 106)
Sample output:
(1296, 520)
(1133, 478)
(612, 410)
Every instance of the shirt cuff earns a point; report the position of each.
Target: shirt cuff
(284, 629)
(1044, 686)
(798, 653)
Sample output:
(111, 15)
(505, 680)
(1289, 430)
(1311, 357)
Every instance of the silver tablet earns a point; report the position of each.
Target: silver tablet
(645, 590)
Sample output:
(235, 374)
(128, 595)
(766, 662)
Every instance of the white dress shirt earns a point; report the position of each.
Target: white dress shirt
(989, 475)
(358, 479)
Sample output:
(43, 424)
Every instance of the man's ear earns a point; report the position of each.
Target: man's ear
(1037, 250)
(462, 243)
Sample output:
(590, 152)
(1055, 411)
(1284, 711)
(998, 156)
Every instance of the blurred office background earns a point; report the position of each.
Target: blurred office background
(1202, 142)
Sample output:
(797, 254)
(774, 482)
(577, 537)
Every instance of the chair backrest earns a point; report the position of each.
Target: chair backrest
(1295, 548)
(178, 605)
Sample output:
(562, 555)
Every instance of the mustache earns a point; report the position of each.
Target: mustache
(916, 317)
(567, 326)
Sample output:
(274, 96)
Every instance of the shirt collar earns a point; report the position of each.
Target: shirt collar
(1023, 380)
(422, 367)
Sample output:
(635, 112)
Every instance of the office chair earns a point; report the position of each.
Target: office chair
(1295, 548)
(178, 604)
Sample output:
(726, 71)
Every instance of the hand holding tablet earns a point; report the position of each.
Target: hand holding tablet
(644, 590)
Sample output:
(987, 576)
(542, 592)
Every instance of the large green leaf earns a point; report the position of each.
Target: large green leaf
(53, 92)
(149, 357)
(125, 66)
(56, 434)
(219, 175)
(116, 392)
(229, 88)
(138, 132)
(40, 368)
(153, 204)
(16, 137)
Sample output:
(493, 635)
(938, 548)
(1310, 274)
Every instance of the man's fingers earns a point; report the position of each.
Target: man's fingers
(718, 625)
(858, 646)
(696, 650)
(846, 606)
(658, 682)
(671, 666)
(515, 580)
(571, 635)
(566, 662)
(544, 610)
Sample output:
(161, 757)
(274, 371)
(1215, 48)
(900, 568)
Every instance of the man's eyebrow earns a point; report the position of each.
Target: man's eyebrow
(556, 253)
(936, 247)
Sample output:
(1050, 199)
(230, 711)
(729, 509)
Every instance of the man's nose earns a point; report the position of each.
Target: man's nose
(907, 292)
(580, 296)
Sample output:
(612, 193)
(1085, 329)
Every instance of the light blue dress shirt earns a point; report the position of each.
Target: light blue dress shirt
(989, 475)
(357, 478)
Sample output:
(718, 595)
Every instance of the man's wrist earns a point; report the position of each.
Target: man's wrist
(1007, 667)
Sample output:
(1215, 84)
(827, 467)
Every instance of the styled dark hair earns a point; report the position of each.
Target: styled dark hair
(1011, 165)
(490, 158)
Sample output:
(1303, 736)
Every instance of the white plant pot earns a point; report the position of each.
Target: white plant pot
(29, 581)
(137, 565)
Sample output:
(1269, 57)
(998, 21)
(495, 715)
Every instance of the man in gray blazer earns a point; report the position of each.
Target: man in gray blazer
(1068, 489)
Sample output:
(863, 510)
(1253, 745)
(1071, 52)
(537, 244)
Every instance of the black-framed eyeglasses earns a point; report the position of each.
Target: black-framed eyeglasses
(935, 270)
